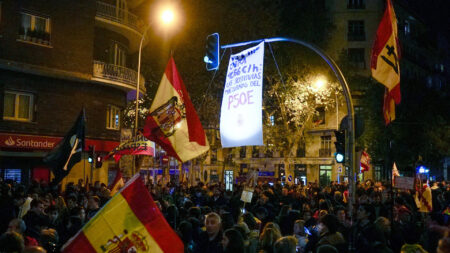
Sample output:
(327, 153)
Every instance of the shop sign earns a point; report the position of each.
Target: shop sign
(28, 141)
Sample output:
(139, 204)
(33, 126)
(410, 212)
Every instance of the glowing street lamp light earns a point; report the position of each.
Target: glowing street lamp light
(319, 83)
(167, 17)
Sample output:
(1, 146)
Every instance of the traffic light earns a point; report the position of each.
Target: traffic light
(340, 146)
(91, 157)
(212, 52)
(99, 162)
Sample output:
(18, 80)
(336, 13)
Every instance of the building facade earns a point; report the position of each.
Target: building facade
(54, 61)
(356, 23)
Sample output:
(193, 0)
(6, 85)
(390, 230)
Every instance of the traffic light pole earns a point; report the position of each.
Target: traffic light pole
(350, 110)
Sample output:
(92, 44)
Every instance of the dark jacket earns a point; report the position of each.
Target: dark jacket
(207, 246)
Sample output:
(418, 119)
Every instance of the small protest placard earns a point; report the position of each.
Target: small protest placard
(247, 195)
(404, 183)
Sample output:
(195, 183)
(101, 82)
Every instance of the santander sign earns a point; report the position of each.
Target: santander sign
(28, 141)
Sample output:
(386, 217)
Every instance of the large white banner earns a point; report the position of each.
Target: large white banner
(241, 113)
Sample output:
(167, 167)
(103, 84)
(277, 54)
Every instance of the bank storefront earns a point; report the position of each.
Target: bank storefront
(21, 158)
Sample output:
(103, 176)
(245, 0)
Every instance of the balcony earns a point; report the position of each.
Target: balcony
(121, 21)
(116, 75)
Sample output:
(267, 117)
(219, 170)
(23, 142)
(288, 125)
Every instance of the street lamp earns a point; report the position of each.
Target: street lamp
(167, 18)
(319, 83)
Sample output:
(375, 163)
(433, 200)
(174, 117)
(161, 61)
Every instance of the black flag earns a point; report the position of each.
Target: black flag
(68, 152)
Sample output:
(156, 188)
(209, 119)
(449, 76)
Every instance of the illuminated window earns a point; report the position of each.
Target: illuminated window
(356, 30)
(13, 174)
(34, 29)
(324, 175)
(113, 118)
(18, 106)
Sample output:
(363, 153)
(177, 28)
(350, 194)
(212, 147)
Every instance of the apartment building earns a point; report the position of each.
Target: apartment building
(57, 57)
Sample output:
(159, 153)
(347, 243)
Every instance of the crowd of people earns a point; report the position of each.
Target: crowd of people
(209, 219)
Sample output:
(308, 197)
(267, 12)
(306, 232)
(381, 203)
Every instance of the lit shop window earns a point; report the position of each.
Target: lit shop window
(13, 174)
(18, 106)
(113, 117)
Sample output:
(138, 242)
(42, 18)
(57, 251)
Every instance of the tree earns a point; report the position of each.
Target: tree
(290, 107)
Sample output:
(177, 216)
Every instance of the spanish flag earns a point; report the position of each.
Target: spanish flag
(129, 222)
(385, 61)
(173, 122)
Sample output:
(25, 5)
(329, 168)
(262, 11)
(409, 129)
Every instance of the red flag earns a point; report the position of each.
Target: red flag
(129, 222)
(173, 122)
(365, 161)
(117, 183)
(385, 61)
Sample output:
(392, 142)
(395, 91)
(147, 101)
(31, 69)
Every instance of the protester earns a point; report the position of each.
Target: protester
(232, 241)
(210, 240)
(318, 217)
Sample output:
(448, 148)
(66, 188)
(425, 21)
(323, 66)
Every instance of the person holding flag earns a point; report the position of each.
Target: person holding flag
(385, 61)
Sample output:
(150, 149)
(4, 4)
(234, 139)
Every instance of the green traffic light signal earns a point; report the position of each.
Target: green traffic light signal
(340, 146)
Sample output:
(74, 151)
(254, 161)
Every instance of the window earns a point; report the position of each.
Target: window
(243, 168)
(324, 175)
(113, 118)
(268, 153)
(319, 116)
(356, 30)
(229, 180)
(377, 173)
(407, 27)
(301, 149)
(356, 57)
(213, 156)
(243, 152)
(255, 152)
(118, 54)
(34, 29)
(356, 4)
(358, 110)
(272, 120)
(18, 106)
(325, 146)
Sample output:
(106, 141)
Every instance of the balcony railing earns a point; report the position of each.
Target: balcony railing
(116, 73)
(119, 15)
(324, 152)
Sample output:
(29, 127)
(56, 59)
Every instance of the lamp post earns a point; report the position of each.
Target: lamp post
(167, 18)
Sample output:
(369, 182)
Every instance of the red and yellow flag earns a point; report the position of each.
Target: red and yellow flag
(365, 161)
(385, 61)
(129, 222)
(173, 122)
